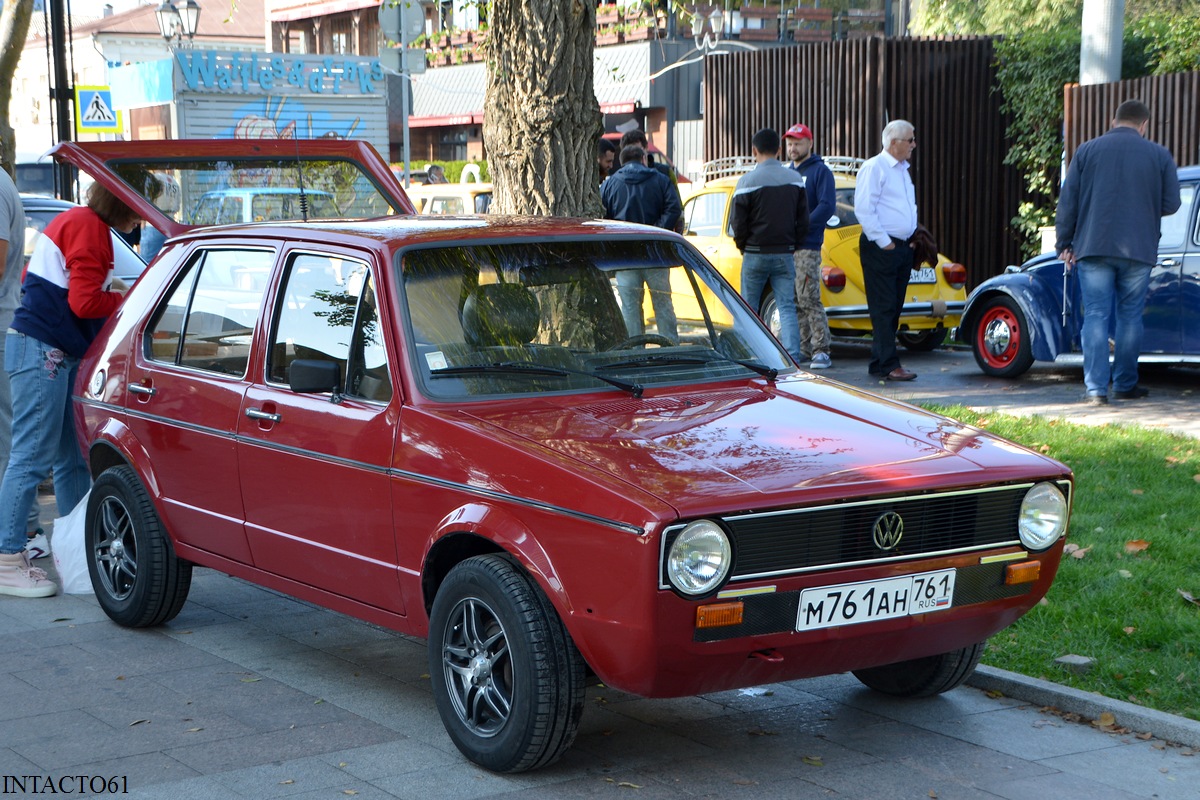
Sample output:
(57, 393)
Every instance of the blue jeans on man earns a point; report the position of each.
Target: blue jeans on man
(1101, 282)
(42, 377)
(779, 270)
(630, 289)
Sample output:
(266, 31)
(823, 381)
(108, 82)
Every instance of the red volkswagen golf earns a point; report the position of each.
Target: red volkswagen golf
(561, 450)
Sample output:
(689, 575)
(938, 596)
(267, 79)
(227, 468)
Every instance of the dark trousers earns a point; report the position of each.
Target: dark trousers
(885, 276)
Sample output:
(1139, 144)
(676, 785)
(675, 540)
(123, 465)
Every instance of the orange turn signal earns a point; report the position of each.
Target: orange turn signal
(1025, 572)
(719, 615)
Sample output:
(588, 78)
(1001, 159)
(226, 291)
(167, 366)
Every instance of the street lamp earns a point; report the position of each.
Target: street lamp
(176, 22)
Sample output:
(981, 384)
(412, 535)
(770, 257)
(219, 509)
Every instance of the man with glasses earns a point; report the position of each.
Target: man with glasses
(885, 203)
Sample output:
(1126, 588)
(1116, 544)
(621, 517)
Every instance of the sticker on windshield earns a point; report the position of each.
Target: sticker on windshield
(436, 360)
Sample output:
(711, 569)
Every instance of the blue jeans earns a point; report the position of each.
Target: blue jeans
(1101, 281)
(43, 435)
(779, 270)
(629, 287)
(6, 419)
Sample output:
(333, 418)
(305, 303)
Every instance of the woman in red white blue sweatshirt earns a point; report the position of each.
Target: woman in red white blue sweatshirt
(67, 294)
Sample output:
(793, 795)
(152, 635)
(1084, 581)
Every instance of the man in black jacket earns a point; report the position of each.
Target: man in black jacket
(770, 220)
(638, 193)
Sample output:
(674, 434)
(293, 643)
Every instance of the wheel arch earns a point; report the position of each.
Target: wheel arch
(114, 445)
(1043, 323)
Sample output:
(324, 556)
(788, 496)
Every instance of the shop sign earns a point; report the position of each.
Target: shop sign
(212, 71)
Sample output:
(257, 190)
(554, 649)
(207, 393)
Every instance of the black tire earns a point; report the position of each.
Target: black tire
(923, 677)
(135, 573)
(507, 679)
(922, 341)
(769, 314)
(1000, 338)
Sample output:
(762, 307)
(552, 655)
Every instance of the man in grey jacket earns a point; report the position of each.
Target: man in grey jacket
(1118, 188)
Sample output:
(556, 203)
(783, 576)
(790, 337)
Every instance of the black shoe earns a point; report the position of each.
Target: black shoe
(1096, 400)
(1131, 394)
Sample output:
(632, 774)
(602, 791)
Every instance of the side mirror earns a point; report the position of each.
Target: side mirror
(312, 375)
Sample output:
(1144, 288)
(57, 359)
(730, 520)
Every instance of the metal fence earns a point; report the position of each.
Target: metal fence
(846, 91)
(1174, 102)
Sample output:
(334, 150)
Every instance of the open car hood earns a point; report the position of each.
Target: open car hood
(350, 172)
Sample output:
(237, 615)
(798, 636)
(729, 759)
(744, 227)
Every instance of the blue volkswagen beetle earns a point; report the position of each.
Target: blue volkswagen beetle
(1034, 313)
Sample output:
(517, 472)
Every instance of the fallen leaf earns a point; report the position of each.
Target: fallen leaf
(1186, 595)
(1124, 573)
(1136, 545)
(1137, 491)
(1070, 547)
(994, 693)
(318, 701)
(933, 794)
(1080, 553)
(194, 730)
(1145, 737)
(1106, 720)
(1196, 478)
(759, 732)
(628, 785)
(61, 619)
(1044, 448)
(138, 722)
(287, 782)
(349, 791)
(1129, 630)
(813, 761)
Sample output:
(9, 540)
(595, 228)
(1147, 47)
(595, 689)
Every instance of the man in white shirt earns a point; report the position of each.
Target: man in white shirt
(886, 206)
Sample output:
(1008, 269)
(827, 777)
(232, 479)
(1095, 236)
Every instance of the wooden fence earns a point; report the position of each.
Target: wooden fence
(1174, 102)
(846, 91)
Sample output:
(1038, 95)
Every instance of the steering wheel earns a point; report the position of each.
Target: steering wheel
(643, 339)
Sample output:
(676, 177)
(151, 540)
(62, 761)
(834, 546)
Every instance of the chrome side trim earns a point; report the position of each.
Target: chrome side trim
(374, 468)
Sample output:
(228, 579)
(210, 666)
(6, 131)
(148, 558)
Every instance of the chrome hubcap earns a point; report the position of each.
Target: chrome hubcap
(997, 337)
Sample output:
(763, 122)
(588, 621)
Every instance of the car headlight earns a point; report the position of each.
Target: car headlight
(699, 558)
(1043, 516)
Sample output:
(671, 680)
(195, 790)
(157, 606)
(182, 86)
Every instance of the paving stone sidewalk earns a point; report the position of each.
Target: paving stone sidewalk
(252, 694)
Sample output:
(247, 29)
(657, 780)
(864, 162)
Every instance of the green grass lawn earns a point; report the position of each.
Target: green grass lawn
(1136, 522)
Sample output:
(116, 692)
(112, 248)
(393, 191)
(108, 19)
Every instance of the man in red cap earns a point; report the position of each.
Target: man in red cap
(822, 202)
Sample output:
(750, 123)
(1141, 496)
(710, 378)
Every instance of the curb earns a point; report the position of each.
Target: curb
(1168, 727)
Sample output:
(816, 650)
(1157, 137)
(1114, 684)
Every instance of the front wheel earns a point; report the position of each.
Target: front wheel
(922, 341)
(138, 580)
(769, 314)
(1001, 339)
(507, 679)
(923, 677)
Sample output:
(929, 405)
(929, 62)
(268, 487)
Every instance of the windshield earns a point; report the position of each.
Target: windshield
(208, 192)
(570, 316)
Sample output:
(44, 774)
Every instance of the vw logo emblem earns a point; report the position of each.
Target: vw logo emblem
(888, 530)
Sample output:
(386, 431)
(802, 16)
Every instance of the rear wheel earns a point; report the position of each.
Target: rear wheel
(922, 341)
(507, 679)
(769, 314)
(923, 677)
(137, 578)
(1001, 339)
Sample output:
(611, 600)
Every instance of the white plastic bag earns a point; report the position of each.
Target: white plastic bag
(70, 554)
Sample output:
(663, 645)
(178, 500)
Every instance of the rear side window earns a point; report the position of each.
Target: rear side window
(327, 311)
(705, 214)
(207, 321)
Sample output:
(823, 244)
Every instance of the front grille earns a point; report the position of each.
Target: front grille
(775, 543)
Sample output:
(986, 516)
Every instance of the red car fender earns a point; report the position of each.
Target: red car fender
(500, 527)
(126, 446)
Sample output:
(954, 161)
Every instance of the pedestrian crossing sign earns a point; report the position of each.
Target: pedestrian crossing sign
(94, 111)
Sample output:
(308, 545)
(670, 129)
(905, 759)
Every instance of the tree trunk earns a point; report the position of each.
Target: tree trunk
(541, 119)
(14, 27)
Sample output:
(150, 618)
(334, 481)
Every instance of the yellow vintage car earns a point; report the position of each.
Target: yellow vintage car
(936, 295)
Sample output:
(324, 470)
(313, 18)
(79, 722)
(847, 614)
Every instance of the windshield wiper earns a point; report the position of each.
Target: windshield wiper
(521, 367)
(770, 373)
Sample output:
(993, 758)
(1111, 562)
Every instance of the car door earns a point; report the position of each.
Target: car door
(706, 224)
(314, 466)
(1166, 316)
(185, 394)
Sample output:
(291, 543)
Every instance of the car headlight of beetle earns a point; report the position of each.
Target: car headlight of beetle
(1043, 517)
(700, 558)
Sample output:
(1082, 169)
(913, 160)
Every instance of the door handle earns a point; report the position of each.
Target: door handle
(254, 413)
(1168, 262)
(137, 388)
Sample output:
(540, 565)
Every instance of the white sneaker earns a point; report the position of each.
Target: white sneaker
(38, 545)
(20, 579)
(821, 361)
